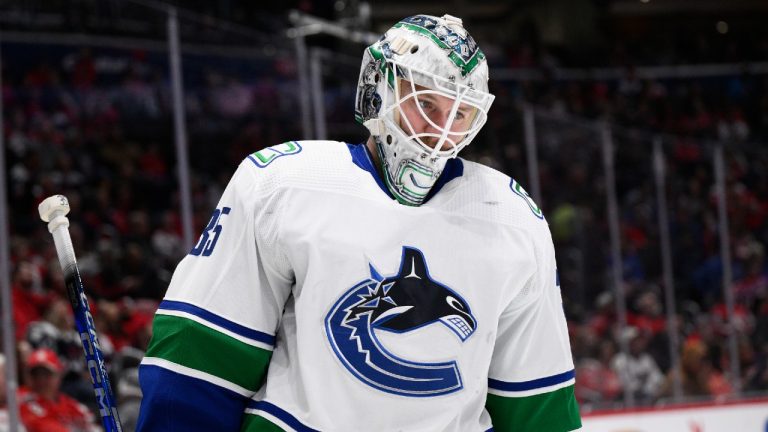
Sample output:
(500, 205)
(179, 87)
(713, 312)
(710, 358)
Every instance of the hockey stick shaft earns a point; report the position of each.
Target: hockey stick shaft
(53, 210)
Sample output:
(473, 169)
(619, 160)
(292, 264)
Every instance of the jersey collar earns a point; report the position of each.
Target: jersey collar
(361, 157)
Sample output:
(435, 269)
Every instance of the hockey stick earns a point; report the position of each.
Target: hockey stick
(54, 210)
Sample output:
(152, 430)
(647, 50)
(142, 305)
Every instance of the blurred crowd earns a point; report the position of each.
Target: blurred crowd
(97, 128)
(96, 125)
(689, 117)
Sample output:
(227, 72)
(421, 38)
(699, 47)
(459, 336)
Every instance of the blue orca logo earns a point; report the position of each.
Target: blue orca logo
(401, 303)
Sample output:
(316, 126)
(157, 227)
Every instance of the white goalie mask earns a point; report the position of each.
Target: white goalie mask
(423, 95)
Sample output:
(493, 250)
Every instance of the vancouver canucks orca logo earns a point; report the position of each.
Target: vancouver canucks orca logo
(401, 303)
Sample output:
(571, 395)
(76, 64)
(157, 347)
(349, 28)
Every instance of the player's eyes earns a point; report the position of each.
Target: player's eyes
(426, 105)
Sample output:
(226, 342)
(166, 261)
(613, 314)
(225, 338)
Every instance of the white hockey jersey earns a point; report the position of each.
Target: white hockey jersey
(314, 301)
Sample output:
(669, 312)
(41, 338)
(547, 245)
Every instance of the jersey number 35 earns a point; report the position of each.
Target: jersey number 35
(211, 233)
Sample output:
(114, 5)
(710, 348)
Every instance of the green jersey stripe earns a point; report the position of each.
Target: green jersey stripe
(213, 326)
(555, 411)
(257, 423)
(191, 344)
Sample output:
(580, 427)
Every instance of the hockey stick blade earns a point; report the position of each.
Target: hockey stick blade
(54, 210)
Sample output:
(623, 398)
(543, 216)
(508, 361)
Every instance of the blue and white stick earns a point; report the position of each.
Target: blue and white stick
(54, 210)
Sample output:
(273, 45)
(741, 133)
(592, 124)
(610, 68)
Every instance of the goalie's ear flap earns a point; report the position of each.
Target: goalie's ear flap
(413, 264)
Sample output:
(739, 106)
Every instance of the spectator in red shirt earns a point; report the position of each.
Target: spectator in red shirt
(29, 301)
(43, 408)
(598, 382)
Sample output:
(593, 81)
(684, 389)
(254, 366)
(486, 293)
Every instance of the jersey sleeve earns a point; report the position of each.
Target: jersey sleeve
(531, 377)
(214, 332)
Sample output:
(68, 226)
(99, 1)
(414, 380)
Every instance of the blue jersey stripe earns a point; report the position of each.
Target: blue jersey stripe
(172, 401)
(217, 320)
(533, 384)
(280, 413)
